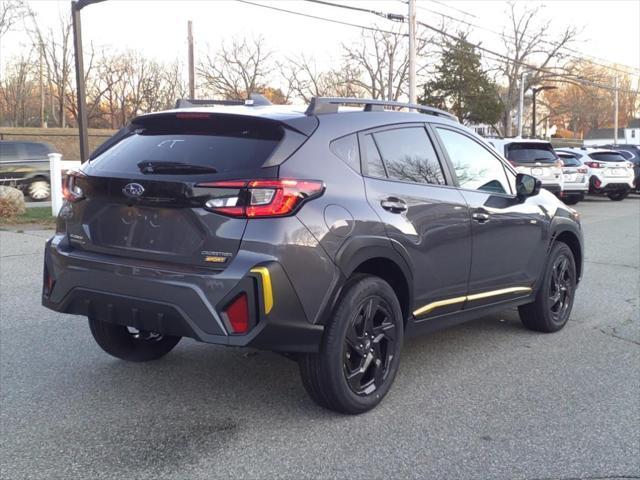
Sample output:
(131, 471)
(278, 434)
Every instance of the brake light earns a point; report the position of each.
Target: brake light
(71, 191)
(593, 164)
(238, 314)
(262, 198)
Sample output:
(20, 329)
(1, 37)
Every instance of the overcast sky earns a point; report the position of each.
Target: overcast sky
(610, 29)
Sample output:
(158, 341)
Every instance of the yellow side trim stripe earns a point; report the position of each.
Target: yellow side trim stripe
(476, 296)
(267, 291)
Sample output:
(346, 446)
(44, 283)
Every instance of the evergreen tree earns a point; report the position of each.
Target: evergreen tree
(461, 85)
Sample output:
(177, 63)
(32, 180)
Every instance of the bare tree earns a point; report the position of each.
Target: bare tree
(56, 47)
(237, 69)
(380, 63)
(18, 93)
(11, 12)
(305, 80)
(528, 42)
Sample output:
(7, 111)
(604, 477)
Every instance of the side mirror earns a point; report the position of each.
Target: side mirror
(527, 186)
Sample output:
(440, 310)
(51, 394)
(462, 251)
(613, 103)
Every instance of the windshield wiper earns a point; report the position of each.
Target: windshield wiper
(174, 167)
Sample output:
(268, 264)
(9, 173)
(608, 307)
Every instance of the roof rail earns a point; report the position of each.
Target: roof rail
(255, 99)
(321, 105)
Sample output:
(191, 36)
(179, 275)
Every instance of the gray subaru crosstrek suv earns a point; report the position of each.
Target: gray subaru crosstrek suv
(328, 234)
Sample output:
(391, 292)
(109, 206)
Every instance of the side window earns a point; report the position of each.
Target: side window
(475, 167)
(35, 150)
(375, 168)
(8, 151)
(347, 149)
(408, 155)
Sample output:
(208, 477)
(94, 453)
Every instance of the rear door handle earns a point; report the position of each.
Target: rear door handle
(481, 217)
(394, 205)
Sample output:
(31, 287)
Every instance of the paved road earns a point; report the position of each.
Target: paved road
(484, 400)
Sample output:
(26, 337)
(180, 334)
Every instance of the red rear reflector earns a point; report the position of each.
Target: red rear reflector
(238, 314)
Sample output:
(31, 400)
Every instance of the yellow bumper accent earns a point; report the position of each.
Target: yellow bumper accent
(267, 291)
(476, 296)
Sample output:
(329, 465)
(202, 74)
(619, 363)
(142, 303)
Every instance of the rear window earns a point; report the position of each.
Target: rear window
(607, 157)
(531, 153)
(228, 146)
(569, 160)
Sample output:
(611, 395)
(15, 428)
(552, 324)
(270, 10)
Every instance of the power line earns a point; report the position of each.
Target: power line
(388, 16)
(580, 56)
(496, 55)
(454, 8)
(270, 7)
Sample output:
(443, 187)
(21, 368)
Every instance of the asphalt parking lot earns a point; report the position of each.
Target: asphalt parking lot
(485, 400)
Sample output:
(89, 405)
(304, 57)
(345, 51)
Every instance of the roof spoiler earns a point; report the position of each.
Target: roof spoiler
(322, 105)
(255, 100)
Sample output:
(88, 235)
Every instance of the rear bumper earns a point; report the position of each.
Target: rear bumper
(183, 303)
(600, 183)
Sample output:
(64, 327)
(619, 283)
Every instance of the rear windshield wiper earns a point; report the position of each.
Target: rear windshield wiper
(174, 167)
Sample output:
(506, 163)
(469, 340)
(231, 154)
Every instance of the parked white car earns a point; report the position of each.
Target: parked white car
(533, 157)
(576, 178)
(609, 172)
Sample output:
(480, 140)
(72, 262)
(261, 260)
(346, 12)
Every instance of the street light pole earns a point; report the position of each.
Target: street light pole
(76, 6)
(521, 105)
(535, 92)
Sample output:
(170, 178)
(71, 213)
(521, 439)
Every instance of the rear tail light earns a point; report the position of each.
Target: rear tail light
(262, 198)
(71, 191)
(238, 314)
(593, 164)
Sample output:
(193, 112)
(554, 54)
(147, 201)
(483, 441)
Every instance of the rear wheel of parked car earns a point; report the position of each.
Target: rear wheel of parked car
(554, 300)
(573, 199)
(360, 352)
(130, 344)
(618, 195)
(39, 190)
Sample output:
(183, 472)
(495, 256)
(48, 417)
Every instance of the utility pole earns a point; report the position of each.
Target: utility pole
(615, 119)
(41, 74)
(413, 98)
(521, 105)
(192, 80)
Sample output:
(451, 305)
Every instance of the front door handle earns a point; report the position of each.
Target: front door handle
(480, 217)
(394, 205)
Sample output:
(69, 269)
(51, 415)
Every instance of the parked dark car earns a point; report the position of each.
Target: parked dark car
(25, 165)
(325, 234)
(632, 154)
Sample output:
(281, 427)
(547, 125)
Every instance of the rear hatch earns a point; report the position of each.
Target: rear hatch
(535, 158)
(574, 171)
(143, 196)
(613, 164)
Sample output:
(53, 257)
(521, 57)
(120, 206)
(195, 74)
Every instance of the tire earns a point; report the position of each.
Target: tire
(572, 200)
(365, 332)
(619, 195)
(39, 190)
(552, 307)
(121, 342)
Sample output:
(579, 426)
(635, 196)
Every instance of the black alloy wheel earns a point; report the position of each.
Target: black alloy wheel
(561, 287)
(360, 351)
(550, 310)
(369, 346)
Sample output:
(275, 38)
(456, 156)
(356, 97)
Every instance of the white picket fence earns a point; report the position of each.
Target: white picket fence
(57, 171)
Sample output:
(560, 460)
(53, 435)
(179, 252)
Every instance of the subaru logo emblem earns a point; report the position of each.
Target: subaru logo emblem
(133, 190)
